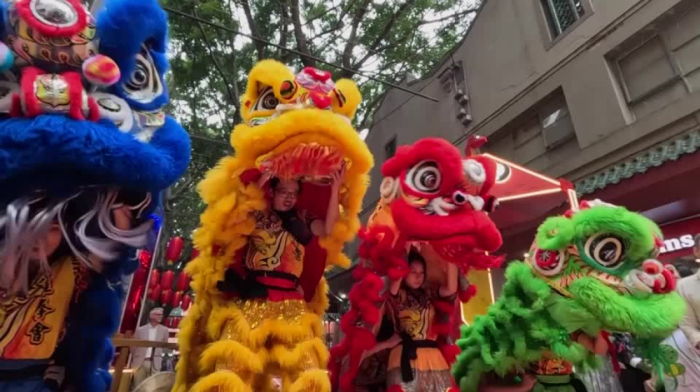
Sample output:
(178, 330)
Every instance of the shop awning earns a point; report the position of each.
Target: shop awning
(524, 194)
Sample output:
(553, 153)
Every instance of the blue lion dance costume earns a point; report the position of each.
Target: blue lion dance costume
(85, 152)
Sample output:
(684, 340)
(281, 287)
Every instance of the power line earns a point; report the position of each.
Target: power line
(339, 67)
(210, 140)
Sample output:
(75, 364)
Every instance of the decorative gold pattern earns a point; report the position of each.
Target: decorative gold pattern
(257, 311)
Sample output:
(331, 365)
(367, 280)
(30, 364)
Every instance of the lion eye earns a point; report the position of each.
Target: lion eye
(424, 177)
(605, 249)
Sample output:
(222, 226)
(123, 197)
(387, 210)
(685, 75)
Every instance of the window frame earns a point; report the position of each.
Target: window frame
(678, 75)
(549, 39)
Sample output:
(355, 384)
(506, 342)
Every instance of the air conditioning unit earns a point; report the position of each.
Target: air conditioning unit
(461, 97)
(462, 113)
(447, 78)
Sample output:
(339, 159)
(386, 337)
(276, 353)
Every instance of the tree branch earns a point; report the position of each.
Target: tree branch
(235, 99)
(302, 45)
(324, 13)
(338, 24)
(453, 16)
(387, 29)
(371, 110)
(284, 16)
(259, 46)
(350, 45)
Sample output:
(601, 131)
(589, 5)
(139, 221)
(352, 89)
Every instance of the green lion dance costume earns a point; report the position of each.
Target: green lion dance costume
(591, 271)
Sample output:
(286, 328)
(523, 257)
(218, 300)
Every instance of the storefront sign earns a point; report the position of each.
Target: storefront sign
(676, 244)
(679, 238)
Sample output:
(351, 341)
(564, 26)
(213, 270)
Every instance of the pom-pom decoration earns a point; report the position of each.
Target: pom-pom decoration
(101, 70)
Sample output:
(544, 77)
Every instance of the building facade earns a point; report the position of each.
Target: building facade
(605, 94)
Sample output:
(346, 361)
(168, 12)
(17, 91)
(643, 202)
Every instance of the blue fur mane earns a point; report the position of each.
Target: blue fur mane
(122, 27)
(65, 153)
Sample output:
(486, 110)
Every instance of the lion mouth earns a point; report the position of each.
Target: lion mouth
(304, 161)
(461, 253)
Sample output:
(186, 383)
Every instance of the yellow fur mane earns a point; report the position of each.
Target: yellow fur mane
(226, 223)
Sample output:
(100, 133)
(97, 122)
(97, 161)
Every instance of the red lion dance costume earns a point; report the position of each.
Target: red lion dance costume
(437, 201)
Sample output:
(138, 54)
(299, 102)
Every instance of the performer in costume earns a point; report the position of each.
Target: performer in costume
(85, 150)
(274, 257)
(436, 200)
(588, 272)
(417, 364)
(260, 293)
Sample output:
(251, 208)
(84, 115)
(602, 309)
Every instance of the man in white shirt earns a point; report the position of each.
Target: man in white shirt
(689, 289)
(688, 362)
(147, 361)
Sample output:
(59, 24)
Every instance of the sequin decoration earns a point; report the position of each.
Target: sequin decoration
(257, 311)
(424, 381)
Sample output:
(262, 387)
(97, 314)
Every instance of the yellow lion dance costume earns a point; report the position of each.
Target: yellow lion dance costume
(294, 127)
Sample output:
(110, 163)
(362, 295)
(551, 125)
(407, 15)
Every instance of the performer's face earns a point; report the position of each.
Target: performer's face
(122, 220)
(285, 195)
(416, 276)
(51, 242)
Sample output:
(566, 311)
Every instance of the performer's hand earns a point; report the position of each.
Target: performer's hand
(264, 178)
(337, 177)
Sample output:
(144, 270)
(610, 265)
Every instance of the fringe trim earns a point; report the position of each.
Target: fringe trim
(312, 381)
(221, 382)
(309, 326)
(234, 353)
(291, 359)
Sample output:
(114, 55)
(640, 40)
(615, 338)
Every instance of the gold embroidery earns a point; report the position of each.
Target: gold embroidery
(257, 311)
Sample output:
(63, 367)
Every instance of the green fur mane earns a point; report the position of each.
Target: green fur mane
(531, 319)
(515, 332)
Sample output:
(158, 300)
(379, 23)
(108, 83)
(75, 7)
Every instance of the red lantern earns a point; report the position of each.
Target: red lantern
(155, 294)
(183, 281)
(155, 278)
(177, 297)
(174, 249)
(166, 296)
(195, 253)
(167, 279)
(186, 301)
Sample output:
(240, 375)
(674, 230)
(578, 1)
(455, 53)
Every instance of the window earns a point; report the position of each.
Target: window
(555, 122)
(665, 67)
(562, 14)
(546, 129)
(390, 148)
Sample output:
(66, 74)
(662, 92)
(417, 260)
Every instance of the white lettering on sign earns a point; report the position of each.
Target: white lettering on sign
(676, 244)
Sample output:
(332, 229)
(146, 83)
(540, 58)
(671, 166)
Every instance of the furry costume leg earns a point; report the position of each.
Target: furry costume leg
(259, 339)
